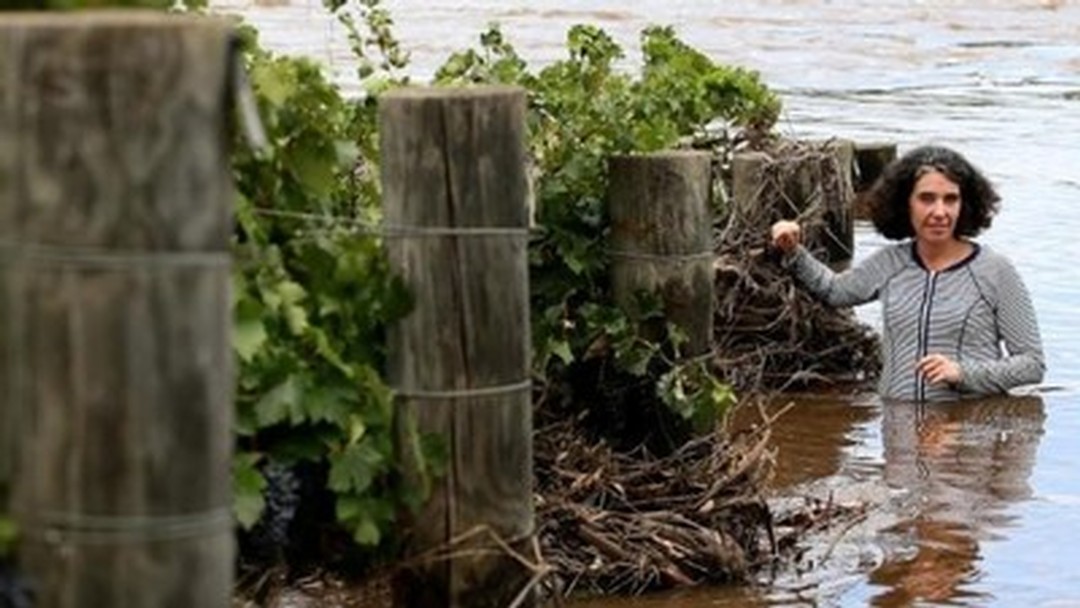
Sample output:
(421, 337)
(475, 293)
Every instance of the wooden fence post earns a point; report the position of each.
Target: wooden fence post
(839, 213)
(455, 197)
(871, 158)
(7, 417)
(748, 185)
(661, 237)
(793, 184)
(8, 423)
(115, 198)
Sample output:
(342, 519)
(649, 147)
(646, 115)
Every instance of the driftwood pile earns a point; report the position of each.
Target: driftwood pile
(769, 333)
(618, 523)
(613, 523)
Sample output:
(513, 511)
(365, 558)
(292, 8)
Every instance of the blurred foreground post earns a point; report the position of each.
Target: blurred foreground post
(455, 198)
(115, 191)
(661, 237)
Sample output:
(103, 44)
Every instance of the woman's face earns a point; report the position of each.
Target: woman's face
(934, 208)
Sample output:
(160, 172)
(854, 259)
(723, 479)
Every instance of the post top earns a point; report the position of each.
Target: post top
(108, 18)
(435, 91)
(668, 154)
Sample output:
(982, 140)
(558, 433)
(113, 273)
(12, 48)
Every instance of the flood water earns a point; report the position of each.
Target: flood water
(974, 504)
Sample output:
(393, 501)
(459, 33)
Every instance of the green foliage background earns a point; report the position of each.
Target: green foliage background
(583, 110)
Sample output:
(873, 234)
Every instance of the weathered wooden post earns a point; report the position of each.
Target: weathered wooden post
(839, 213)
(455, 198)
(7, 417)
(807, 180)
(748, 187)
(661, 237)
(871, 158)
(115, 197)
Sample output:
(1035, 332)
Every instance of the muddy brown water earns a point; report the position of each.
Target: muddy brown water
(971, 504)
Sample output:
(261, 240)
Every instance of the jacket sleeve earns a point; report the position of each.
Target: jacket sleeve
(1018, 329)
(857, 285)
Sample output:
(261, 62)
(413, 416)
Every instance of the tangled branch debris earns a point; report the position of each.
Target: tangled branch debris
(769, 333)
(621, 523)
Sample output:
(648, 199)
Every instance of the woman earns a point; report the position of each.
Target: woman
(949, 304)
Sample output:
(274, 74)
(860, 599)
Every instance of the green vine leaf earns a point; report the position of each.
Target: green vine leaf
(9, 534)
(249, 333)
(274, 82)
(281, 404)
(366, 518)
(314, 164)
(355, 468)
(248, 487)
(331, 404)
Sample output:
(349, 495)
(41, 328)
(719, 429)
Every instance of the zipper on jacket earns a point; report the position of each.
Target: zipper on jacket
(924, 331)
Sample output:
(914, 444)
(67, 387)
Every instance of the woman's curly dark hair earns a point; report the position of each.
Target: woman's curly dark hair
(891, 193)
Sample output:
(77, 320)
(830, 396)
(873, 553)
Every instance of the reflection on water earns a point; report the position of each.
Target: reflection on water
(939, 481)
(962, 466)
(820, 437)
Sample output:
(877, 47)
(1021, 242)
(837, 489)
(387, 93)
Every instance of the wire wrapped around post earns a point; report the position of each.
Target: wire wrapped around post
(455, 189)
(115, 198)
(661, 237)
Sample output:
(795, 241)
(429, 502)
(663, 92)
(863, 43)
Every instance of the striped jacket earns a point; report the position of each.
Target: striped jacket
(977, 312)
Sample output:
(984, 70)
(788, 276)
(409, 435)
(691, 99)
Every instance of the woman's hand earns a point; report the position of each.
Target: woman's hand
(939, 369)
(786, 235)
